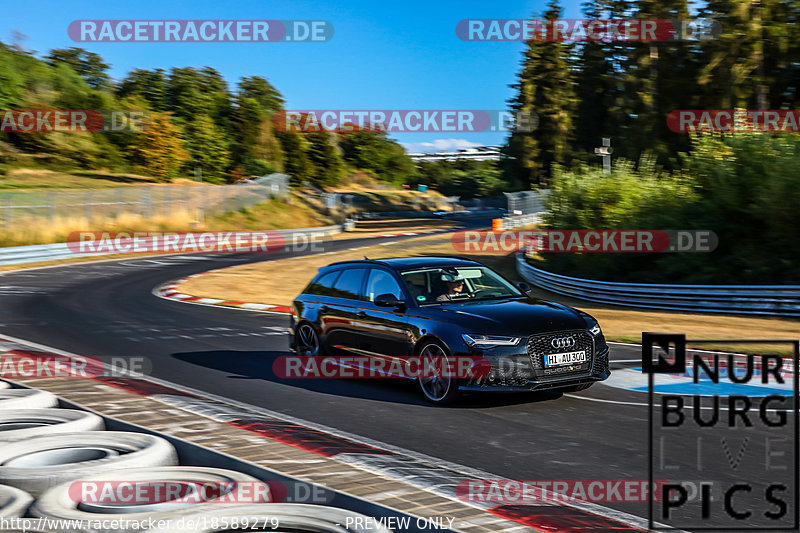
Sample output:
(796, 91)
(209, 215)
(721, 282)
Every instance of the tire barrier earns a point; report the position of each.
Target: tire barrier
(13, 502)
(26, 399)
(154, 499)
(50, 456)
(38, 463)
(26, 423)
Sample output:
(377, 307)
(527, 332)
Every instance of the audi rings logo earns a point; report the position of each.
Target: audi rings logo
(563, 342)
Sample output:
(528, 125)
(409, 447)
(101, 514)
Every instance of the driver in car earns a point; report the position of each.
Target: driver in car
(455, 287)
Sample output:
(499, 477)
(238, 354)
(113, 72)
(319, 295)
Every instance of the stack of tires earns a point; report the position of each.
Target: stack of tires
(46, 452)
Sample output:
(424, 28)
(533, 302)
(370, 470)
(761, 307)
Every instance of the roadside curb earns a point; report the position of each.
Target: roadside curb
(171, 292)
(170, 289)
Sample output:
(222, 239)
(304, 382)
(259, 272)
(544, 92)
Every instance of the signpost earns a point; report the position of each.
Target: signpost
(605, 152)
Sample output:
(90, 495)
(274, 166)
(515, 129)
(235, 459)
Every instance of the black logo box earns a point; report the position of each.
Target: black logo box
(678, 365)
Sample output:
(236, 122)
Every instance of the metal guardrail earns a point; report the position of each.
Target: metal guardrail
(452, 215)
(18, 255)
(739, 299)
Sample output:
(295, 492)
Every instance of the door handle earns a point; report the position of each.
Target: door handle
(361, 314)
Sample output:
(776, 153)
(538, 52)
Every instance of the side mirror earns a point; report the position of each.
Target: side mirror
(389, 300)
(524, 287)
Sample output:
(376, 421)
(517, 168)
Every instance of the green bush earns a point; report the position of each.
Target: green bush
(744, 187)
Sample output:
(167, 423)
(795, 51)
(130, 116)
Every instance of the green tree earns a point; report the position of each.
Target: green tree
(373, 150)
(186, 94)
(149, 84)
(295, 150)
(207, 145)
(267, 96)
(88, 65)
(544, 87)
(11, 82)
(255, 103)
(159, 150)
(266, 150)
(324, 157)
(751, 53)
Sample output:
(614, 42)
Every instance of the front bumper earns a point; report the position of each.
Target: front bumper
(520, 368)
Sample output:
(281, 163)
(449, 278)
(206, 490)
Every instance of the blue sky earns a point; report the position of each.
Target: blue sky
(384, 55)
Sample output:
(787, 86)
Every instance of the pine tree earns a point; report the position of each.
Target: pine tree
(751, 55)
(654, 77)
(296, 162)
(208, 147)
(544, 87)
(324, 157)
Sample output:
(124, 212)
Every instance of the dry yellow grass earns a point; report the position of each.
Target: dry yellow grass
(38, 178)
(278, 282)
(263, 216)
(43, 230)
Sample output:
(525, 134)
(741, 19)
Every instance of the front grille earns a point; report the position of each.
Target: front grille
(539, 345)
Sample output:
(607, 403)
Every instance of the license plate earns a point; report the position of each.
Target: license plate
(566, 358)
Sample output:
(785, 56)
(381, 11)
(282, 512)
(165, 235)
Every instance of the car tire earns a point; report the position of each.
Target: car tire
(306, 340)
(576, 388)
(14, 502)
(26, 399)
(59, 502)
(437, 390)
(296, 517)
(38, 463)
(26, 423)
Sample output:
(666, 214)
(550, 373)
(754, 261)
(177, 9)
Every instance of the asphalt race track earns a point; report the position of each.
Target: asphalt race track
(107, 309)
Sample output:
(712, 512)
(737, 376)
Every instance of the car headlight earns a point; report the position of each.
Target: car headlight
(485, 341)
(595, 330)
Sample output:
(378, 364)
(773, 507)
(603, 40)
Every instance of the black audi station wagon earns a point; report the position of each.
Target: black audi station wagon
(448, 307)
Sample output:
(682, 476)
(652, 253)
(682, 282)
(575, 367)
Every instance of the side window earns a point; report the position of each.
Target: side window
(323, 285)
(381, 282)
(348, 285)
(419, 286)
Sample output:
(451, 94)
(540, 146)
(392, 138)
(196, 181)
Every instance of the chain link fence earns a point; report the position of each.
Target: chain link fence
(146, 201)
(526, 202)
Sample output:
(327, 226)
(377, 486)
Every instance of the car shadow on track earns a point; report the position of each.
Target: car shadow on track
(258, 365)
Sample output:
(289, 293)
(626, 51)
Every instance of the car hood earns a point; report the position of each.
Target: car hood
(512, 317)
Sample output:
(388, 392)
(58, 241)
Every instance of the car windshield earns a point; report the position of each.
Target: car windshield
(456, 284)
